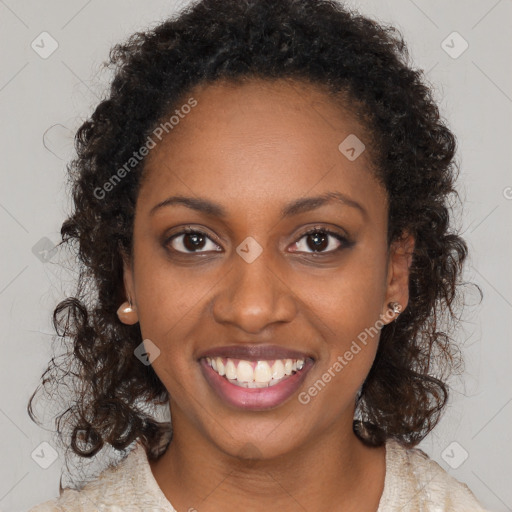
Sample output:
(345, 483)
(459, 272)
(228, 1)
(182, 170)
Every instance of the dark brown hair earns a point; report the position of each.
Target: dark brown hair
(314, 41)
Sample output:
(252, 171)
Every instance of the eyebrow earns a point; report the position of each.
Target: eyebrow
(301, 205)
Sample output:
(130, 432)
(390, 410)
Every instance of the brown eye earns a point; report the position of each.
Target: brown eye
(192, 241)
(320, 241)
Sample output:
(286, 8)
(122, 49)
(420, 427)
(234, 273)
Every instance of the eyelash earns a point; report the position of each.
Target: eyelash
(345, 243)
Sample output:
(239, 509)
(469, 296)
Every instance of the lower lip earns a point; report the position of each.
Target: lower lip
(255, 399)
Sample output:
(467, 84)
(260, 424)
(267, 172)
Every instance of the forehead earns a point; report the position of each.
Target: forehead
(260, 141)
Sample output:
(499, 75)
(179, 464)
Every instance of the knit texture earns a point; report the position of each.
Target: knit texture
(413, 483)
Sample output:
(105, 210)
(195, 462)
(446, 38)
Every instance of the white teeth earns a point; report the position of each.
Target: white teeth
(262, 372)
(220, 367)
(259, 375)
(230, 370)
(278, 369)
(250, 384)
(244, 372)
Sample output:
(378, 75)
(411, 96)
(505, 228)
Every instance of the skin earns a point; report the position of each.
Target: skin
(253, 148)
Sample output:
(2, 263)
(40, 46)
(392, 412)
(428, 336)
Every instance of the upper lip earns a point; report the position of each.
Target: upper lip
(254, 352)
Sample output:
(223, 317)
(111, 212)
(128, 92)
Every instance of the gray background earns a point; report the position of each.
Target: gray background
(53, 95)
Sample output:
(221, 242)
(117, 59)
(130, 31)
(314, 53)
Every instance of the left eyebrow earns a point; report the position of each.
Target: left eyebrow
(295, 207)
(312, 203)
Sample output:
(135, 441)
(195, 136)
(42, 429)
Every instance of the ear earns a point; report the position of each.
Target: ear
(397, 283)
(128, 315)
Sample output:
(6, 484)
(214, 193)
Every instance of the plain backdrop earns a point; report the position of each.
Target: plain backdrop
(463, 45)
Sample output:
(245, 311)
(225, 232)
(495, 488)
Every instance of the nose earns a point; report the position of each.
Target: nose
(253, 296)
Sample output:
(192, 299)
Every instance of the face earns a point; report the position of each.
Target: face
(269, 287)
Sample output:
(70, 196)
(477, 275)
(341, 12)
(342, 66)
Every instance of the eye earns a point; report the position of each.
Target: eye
(193, 241)
(321, 241)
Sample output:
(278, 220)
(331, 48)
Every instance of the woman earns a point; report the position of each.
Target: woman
(261, 205)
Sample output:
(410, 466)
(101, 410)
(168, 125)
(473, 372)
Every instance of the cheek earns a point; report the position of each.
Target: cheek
(345, 307)
(346, 315)
(167, 309)
(165, 315)
(169, 297)
(348, 298)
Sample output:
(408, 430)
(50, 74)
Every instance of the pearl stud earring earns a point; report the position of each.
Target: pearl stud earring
(126, 313)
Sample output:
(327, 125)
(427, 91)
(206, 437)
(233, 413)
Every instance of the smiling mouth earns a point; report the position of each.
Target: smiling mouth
(255, 374)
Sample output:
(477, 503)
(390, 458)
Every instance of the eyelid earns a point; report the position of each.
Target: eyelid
(324, 229)
(190, 229)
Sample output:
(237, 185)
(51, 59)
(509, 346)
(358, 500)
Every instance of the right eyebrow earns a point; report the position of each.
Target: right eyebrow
(199, 204)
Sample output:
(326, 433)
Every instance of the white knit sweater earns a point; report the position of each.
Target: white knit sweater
(413, 483)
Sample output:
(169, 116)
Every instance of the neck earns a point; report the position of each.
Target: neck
(335, 468)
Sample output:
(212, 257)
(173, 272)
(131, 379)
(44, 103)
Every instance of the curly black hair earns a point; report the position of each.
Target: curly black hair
(318, 42)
